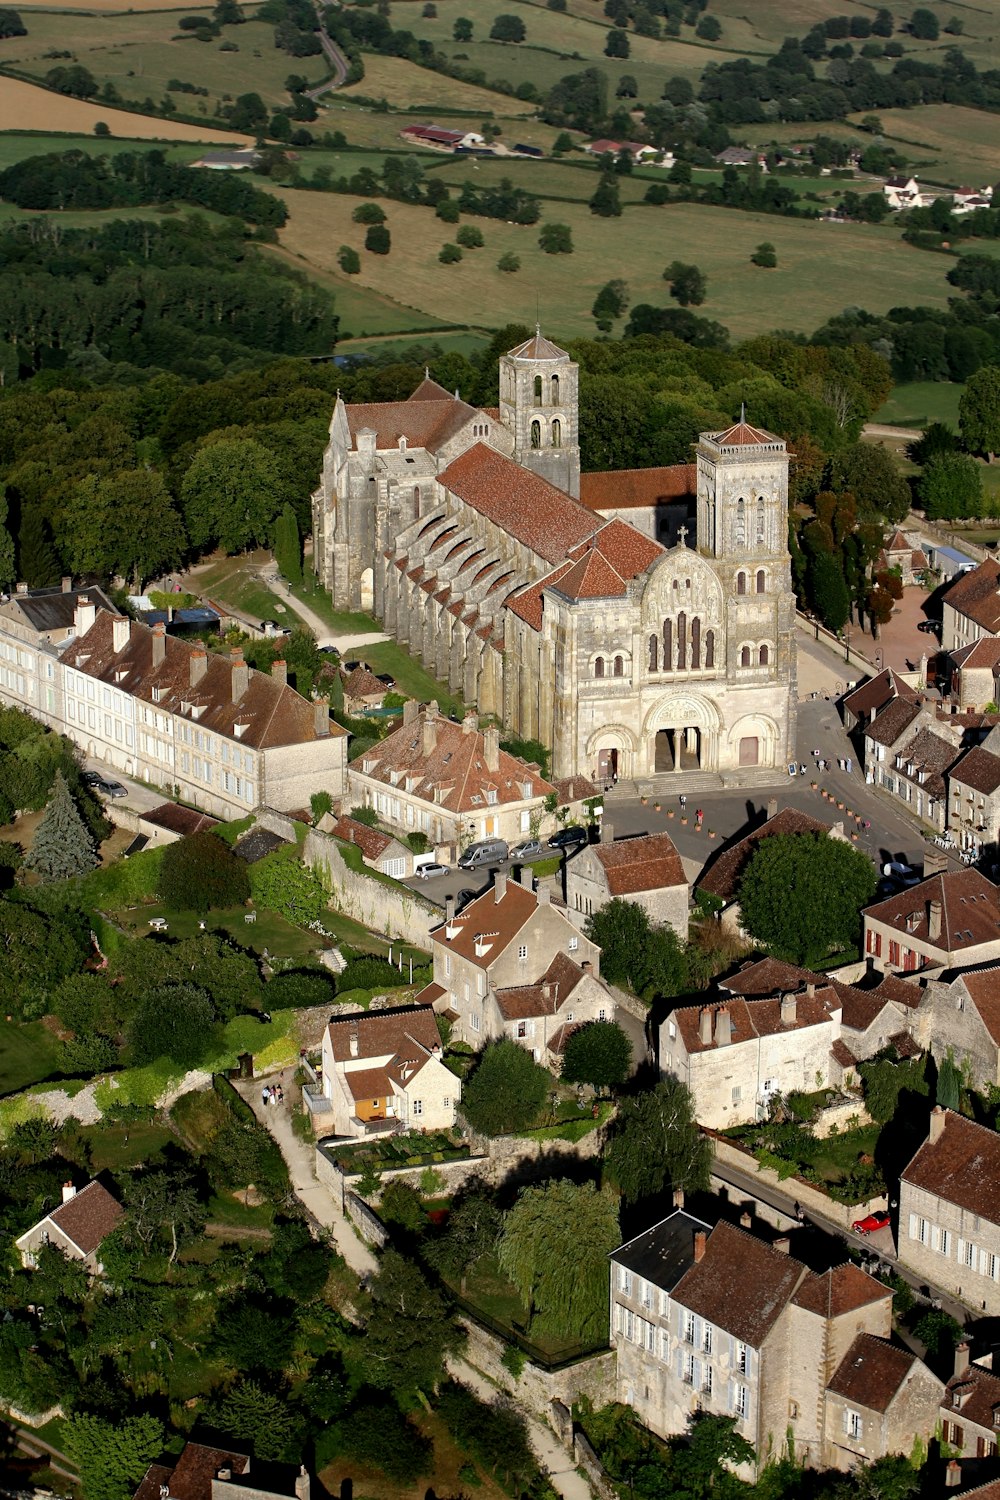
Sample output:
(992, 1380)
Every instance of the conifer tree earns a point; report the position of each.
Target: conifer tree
(63, 846)
(287, 546)
(38, 565)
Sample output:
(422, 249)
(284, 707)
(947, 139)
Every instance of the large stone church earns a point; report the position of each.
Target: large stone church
(660, 642)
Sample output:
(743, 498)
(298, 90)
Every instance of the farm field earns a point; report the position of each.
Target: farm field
(745, 299)
(946, 142)
(16, 146)
(363, 312)
(921, 402)
(366, 127)
(413, 88)
(140, 54)
(24, 106)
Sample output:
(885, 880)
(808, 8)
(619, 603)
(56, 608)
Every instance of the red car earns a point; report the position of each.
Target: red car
(879, 1220)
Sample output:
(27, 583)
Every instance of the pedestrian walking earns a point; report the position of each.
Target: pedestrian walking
(699, 816)
(265, 1095)
(850, 766)
(683, 800)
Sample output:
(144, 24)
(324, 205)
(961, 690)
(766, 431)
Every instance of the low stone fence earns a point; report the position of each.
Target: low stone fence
(367, 1223)
(383, 906)
(591, 1465)
(536, 1388)
(810, 1197)
(841, 1114)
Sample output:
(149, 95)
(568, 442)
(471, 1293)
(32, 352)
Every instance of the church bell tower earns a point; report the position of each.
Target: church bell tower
(540, 405)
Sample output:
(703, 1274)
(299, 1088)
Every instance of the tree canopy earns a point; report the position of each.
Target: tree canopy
(506, 1091)
(802, 895)
(655, 1141)
(554, 1248)
(599, 1053)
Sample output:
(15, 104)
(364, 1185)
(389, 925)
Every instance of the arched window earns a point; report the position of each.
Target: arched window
(745, 656)
(741, 583)
(619, 667)
(416, 502)
(536, 434)
(741, 523)
(556, 433)
(681, 641)
(695, 645)
(668, 638)
(654, 642)
(763, 656)
(554, 390)
(599, 667)
(760, 521)
(709, 648)
(538, 390)
(761, 581)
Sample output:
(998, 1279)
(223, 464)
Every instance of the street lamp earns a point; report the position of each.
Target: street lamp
(847, 642)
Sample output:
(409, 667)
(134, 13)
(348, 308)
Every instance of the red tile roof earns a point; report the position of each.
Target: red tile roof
(842, 1289)
(979, 769)
(626, 549)
(871, 1372)
(397, 1042)
(646, 863)
(722, 879)
(191, 1478)
(752, 1019)
(978, 1397)
(575, 789)
(977, 595)
(497, 923)
(371, 841)
(362, 683)
(521, 1002)
(177, 819)
(970, 911)
(592, 577)
(633, 489)
(88, 1217)
(983, 654)
(875, 692)
(520, 502)
(429, 390)
(742, 435)
(425, 423)
(892, 721)
(962, 1166)
(983, 989)
(740, 1284)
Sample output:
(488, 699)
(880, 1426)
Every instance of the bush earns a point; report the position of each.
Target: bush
(556, 239)
(281, 883)
(448, 211)
(508, 29)
(470, 238)
(509, 262)
(378, 240)
(449, 254)
(172, 1020)
(299, 989)
(368, 213)
(201, 873)
(348, 260)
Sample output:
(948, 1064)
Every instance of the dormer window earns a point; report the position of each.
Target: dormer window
(240, 730)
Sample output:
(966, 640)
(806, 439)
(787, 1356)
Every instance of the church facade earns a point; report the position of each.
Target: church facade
(462, 529)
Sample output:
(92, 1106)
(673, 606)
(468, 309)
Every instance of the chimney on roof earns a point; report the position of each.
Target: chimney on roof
(935, 862)
(723, 1026)
(933, 920)
(67, 586)
(120, 627)
(586, 966)
(811, 989)
(68, 1192)
(321, 717)
(789, 1010)
(470, 724)
(678, 1196)
(607, 832)
(279, 671)
(240, 673)
(543, 893)
(430, 731)
(84, 615)
(961, 1359)
(936, 1124)
(411, 711)
(500, 886)
(225, 1473)
(705, 1026)
(527, 878)
(302, 1483)
(197, 665)
(22, 588)
(782, 1244)
(952, 1474)
(449, 909)
(700, 1242)
(772, 808)
(159, 643)
(746, 1219)
(491, 748)
(354, 1043)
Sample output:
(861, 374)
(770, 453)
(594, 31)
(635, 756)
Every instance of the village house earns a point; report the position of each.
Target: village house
(379, 850)
(971, 607)
(901, 192)
(725, 1323)
(506, 940)
(908, 750)
(974, 796)
(78, 1226)
(949, 1211)
(437, 138)
(860, 706)
(206, 727)
(974, 673)
(362, 689)
(580, 798)
(639, 152)
(643, 868)
(948, 920)
(451, 782)
(970, 1408)
(737, 156)
(35, 626)
(383, 1069)
(959, 1019)
(722, 876)
(903, 556)
(203, 1473)
(738, 1055)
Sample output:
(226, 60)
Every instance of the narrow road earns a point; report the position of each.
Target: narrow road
(879, 430)
(334, 56)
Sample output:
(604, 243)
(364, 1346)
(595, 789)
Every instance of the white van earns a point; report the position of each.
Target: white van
(487, 852)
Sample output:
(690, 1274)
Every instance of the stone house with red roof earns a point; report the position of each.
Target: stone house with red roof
(644, 868)
(971, 607)
(951, 920)
(949, 1211)
(725, 1323)
(900, 554)
(970, 1407)
(975, 671)
(383, 1069)
(362, 689)
(78, 1226)
(464, 530)
(860, 706)
(721, 878)
(379, 850)
(203, 1473)
(451, 782)
(959, 1018)
(974, 795)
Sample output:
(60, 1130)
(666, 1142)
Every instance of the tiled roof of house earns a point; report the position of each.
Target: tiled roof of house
(575, 789)
(892, 721)
(455, 774)
(487, 924)
(271, 712)
(88, 1217)
(592, 577)
(371, 841)
(520, 502)
(983, 654)
(368, 1083)
(722, 878)
(978, 769)
(962, 1166)
(842, 1054)
(751, 1019)
(983, 989)
(871, 1372)
(842, 1289)
(897, 543)
(527, 604)
(990, 1491)
(970, 910)
(741, 1284)
(405, 1031)
(875, 692)
(52, 609)
(648, 862)
(177, 819)
(425, 423)
(663, 1253)
(627, 550)
(523, 1001)
(975, 1392)
(767, 976)
(977, 595)
(429, 390)
(930, 756)
(900, 991)
(538, 347)
(362, 683)
(638, 489)
(191, 1478)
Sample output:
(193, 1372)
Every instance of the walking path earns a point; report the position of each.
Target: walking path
(319, 1201)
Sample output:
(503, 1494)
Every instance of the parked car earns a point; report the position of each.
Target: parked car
(464, 896)
(526, 849)
(871, 1222)
(569, 838)
(91, 778)
(433, 868)
(486, 852)
(110, 788)
(932, 627)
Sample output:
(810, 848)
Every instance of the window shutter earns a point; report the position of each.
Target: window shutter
(914, 1229)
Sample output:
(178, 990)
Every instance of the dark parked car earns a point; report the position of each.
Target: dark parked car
(110, 788)
(569, 838)
(91, 778)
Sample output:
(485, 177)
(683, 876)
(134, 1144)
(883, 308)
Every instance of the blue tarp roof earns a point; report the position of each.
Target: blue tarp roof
(962, 558)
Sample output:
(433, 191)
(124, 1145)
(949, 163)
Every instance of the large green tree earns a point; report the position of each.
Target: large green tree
(201, 873)
(111, 1457)
(951, 488)
(688, 283)
(554, 1248)
(123, 525)
(648, 959)
(506, 1091)
(229, 495)
(599, 1053)
(175, 1021)
(655, 1141)
(6, 546)
(979, 412)
(802, 895)
(63, 845)
(409, 1330)
(871, 475)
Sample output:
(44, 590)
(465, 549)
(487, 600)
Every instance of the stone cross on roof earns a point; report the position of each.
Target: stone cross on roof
(682, 532)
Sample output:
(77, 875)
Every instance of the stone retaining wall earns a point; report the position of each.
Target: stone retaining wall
(368, 1224)
(387, 908)
(536, 1388)
(810, 1197)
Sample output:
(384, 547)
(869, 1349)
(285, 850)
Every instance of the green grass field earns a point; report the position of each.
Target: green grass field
(29, 1053)
(411, 677)
(15, 147)
(919, 403)
(945, 143)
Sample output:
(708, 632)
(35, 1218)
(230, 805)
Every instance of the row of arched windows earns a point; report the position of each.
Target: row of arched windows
(480, 429)
(744, 517)
(553, 390)
(743, 582)
(555, 434)
(747, 656)
(616, 663)
(683, 647)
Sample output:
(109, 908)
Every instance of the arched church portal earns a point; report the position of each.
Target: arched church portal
(681, 735)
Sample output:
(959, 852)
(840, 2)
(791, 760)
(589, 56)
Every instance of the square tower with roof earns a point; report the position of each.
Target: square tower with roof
(540, 405)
